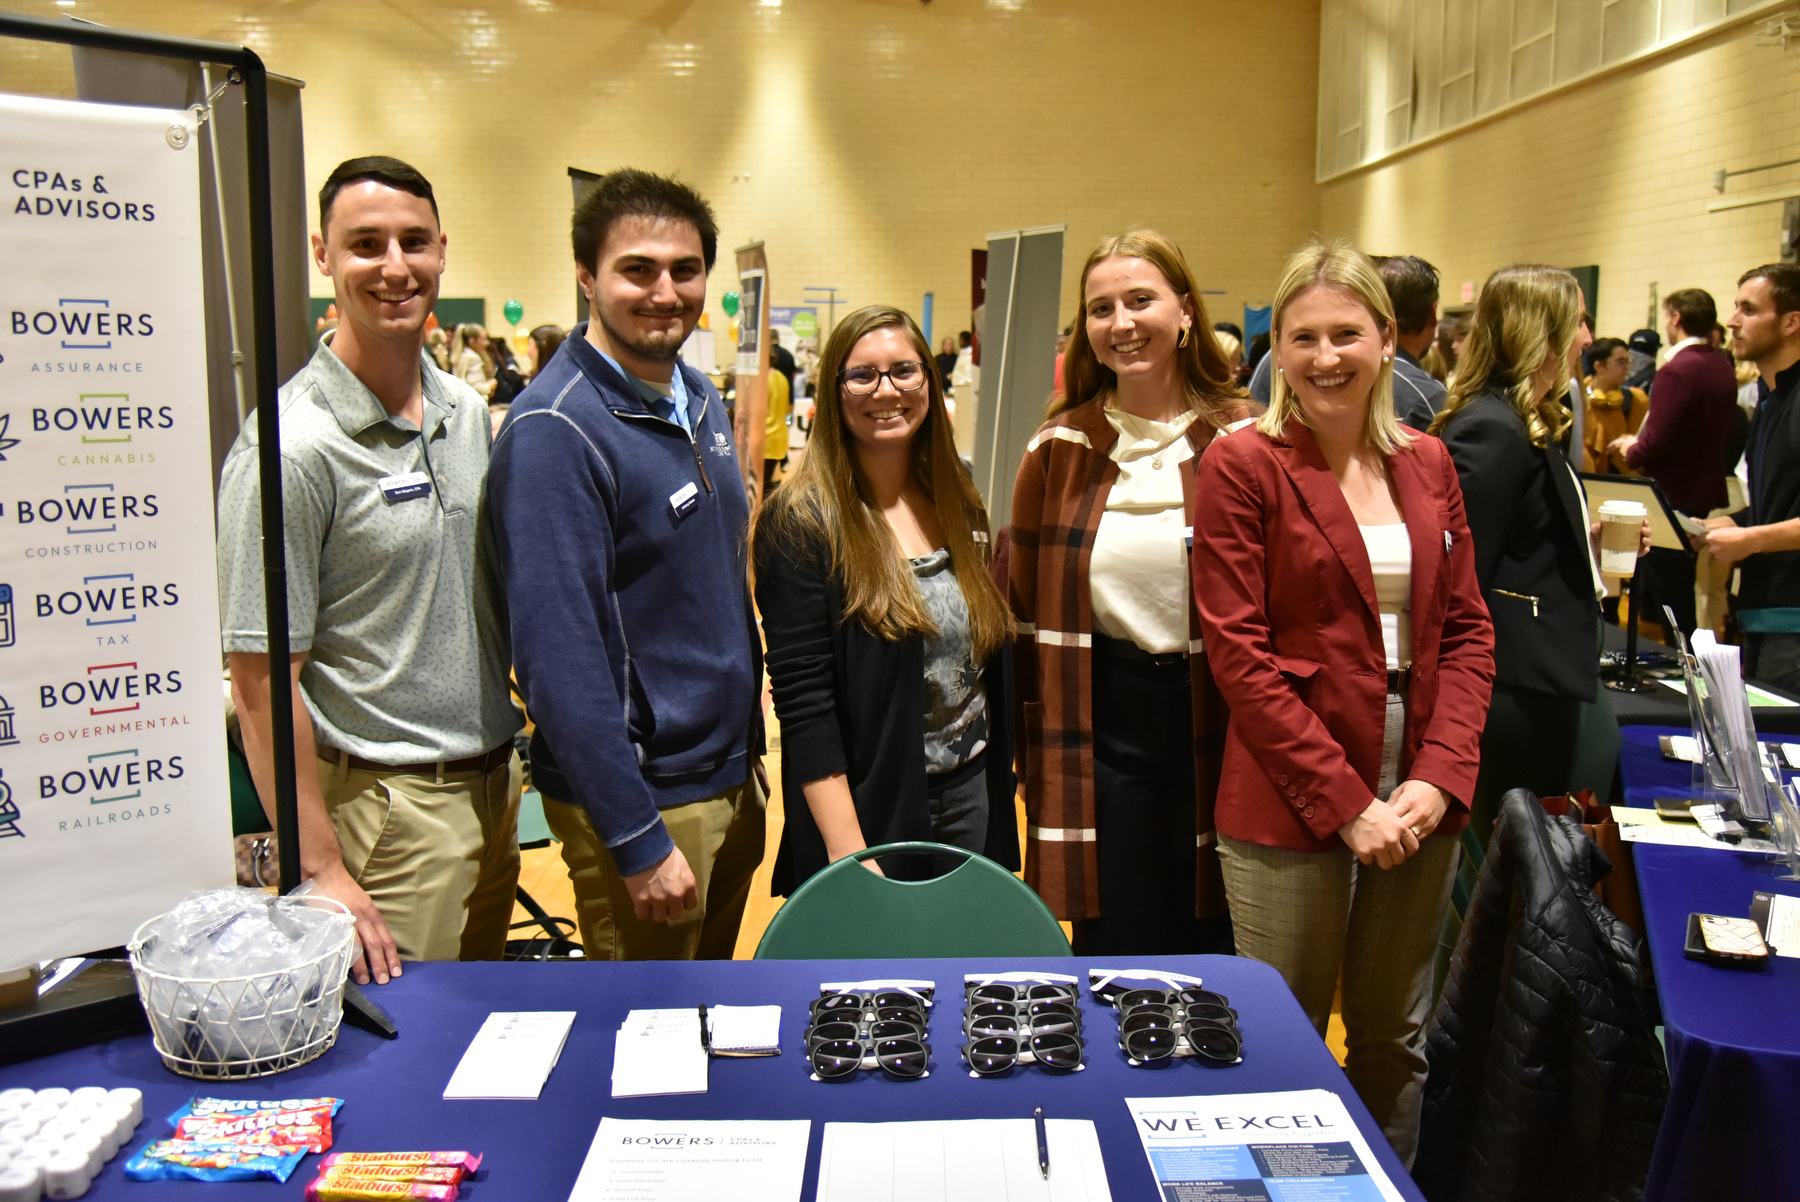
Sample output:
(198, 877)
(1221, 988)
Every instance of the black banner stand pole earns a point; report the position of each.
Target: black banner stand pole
(262, 293)
(1629, 681)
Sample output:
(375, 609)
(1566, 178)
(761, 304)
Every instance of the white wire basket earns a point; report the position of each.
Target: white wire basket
(230, 1028)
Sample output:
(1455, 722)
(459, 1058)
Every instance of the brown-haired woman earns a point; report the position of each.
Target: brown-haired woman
(1122, 723)
(886, 636)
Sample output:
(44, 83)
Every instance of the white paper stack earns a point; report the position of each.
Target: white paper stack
(511, 1056)
(1728, 709)
(744, 1030)
(658, 1052)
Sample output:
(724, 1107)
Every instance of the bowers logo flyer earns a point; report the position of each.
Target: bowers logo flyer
(114, 795)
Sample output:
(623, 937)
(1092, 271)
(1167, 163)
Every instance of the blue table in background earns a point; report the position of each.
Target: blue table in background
(1733, 1037)
(533, 1150)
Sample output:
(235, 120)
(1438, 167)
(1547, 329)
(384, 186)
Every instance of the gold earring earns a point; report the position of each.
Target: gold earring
(1183, 340)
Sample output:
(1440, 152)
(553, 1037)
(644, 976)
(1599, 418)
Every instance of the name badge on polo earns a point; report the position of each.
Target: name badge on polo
(685, 499)
(409, 486)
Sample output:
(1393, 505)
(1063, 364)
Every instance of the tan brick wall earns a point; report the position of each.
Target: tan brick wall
(870, 145)
(1617, 172)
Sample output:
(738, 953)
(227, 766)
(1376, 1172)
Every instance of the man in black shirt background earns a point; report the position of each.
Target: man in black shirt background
(1765, 538)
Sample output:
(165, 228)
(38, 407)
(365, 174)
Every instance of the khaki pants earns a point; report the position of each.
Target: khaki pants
(440, 858)
(1310, 914)
(722, 838)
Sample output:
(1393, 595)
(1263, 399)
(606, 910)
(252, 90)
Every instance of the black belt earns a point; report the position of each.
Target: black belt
(1399, 680)
(1129, 652)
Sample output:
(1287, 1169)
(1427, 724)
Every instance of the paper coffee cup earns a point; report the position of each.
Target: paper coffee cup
(1620, 523)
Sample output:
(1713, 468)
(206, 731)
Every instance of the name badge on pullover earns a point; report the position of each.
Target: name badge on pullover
(409, 486)
(685, 499)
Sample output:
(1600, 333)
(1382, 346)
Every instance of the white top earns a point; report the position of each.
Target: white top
(1390, 556)
(1600, 593)
(1138, 577)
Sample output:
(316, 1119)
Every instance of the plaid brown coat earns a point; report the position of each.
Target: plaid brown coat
(1058, 499)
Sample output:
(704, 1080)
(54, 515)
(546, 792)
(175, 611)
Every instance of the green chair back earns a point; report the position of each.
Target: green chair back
(847, 912)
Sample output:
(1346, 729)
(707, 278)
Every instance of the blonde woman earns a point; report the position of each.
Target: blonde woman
(1336, 585)
(1503, 422)
(470, 358)
(886, 635)
(1121, 722)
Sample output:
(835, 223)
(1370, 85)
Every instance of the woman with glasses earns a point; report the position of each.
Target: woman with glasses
(886, 636)
(1121, 722)
(1336, 580)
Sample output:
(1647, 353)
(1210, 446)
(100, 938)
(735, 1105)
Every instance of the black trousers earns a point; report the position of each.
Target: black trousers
(1144, 811)
(1665, 577)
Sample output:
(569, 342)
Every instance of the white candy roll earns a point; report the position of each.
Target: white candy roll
(59, 1128)
(5, 1159)
(21, 1128)
(67, 1176)
(12, 1108)
(121, 1118)
(89, 1093)
(11, 1146)
(19, 1184)
(41, 1144)
(18, 1094)
(106, 1135)
(56, 1095)
(132, 1097)
(89, 1147)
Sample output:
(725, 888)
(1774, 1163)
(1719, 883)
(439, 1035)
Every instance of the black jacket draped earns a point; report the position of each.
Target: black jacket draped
(1531, 551)
(1547, 1081)
(851, 701)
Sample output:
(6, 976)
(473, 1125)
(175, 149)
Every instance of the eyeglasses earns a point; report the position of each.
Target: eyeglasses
(904, 1058)
(1168, 997)
(881, 1028)
(905, 376)
(1002, 1018)
(1148, 1037)
(997, 1054)
(1003, 992)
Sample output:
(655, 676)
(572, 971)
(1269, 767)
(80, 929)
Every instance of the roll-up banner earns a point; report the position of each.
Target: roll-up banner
(752, 365)
(114, 793)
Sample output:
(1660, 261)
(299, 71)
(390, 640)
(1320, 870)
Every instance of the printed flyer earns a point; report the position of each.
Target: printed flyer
(114, 793)
(1298, 1146)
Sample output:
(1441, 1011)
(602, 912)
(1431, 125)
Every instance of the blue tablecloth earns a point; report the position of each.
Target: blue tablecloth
(1733, 1037)
(393, 1091)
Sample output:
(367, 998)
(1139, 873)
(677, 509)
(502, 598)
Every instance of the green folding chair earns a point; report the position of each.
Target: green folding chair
(847, 912)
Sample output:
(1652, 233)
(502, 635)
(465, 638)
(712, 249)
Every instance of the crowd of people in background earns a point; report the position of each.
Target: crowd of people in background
(1269, 627)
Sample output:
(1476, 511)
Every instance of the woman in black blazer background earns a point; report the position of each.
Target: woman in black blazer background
(886, 634)
(1550, 728)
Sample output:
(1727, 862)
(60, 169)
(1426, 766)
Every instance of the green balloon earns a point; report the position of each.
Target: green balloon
(514, 311)
(729, 302)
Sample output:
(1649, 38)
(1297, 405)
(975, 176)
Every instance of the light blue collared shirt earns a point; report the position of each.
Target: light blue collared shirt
(671, 406)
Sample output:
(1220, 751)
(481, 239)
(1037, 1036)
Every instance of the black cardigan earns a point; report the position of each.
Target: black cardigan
(1531, 551)
(851, 701)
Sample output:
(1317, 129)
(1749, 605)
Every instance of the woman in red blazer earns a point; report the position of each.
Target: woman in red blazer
(1335, 580)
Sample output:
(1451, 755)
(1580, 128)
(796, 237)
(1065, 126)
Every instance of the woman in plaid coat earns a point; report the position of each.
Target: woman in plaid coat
(1120, 724)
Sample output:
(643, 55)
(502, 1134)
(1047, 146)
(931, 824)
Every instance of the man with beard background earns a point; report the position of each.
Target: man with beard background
(620, 521)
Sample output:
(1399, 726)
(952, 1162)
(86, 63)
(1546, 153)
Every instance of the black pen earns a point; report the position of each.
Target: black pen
(1043, 1144)
(705, 1038)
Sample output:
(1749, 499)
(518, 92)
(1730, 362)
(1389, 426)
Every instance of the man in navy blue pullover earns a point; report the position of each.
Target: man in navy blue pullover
(621, 523)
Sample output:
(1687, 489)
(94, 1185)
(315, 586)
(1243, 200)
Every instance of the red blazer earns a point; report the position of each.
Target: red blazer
(1293, 634)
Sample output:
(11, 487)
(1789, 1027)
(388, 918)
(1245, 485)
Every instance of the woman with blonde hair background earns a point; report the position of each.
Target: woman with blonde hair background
(886, 635)
(470, 360)
(1120, 720)
(1550, 728)
(1336, 586)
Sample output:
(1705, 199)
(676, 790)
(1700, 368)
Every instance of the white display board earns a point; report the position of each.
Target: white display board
(114, 791)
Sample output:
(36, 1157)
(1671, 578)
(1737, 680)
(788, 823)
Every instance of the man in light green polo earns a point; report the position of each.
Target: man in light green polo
(406, 779)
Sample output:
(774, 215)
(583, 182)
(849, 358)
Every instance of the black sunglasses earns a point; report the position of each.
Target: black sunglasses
(1151, 1037)
(1169, 997)
(995, 1054)
(1021, 993)
(904, 1058)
